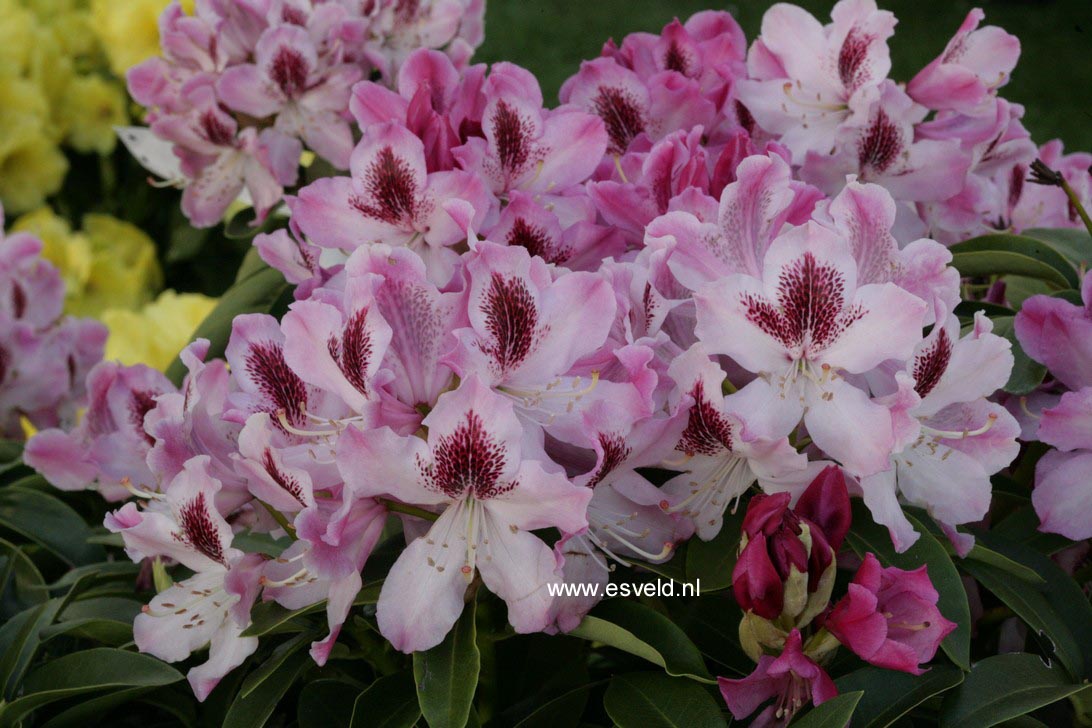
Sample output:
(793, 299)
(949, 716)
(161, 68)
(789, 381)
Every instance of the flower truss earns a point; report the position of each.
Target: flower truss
(730, 263)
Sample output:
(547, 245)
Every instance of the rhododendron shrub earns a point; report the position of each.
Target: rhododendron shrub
(745, 329)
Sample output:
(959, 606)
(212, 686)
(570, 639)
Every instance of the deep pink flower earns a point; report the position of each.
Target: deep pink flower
(776, 550)
(791, 678)
(889, 617)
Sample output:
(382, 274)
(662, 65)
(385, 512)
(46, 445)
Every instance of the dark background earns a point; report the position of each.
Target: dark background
(1053, 79)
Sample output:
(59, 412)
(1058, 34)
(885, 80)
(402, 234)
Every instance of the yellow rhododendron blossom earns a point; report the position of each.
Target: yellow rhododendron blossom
(108, 264)
(155, 334)
(31, 168)
(93, 106)
(17, 31)
(124, 270)
(129, 30)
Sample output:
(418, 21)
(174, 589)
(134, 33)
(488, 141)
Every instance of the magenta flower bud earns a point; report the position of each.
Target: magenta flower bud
(776, 546)
(890, 617)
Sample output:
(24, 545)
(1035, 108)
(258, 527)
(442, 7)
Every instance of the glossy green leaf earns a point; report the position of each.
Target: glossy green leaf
(712, 561)
(889, 695)
(1005, 253)
(271, 618)
(90, 711)
(1075, 244)
(326, 703)
(634, 628)
(563, 710)
(1003, 687)
(1056, 608)
(655, 700)
(999, 561)
(108, 620)
(21, 584)
(1027, 374)
(267, 669)
(867, 536)
(50, 523)
(257, 293)
(253, 710)
(389, 702)
(834, 713)
(446, 676)
(19, 642)
(84, 672)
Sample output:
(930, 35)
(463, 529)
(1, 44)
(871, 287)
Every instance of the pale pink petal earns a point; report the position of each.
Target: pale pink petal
(849, 427)
(422, 596)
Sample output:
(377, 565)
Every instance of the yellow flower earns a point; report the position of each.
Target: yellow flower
(124, 270)
(128, 30)
(31, 168)
(91, 108)
(155, 334)
(70, 252)
(17, 32)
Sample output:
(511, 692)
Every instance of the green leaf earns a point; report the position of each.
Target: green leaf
(655, 700)
(1027, 374)
(253, 710)
(834, 713)
(712, 561)
(999, 561)
(447, 675)
(867, 536)
(257, 293)
(1074, 244)
(260, 543)
(1020, 288)
(91, 711)
(19, 641)
(1057, 608)
(21, 584)
(108, 620)
(565, 709)
(83, 672)
(634, 628)
(1003, 687)
(967, 309)
(1004, 253)
(281, 653)
(889, 695)
(390, 702)
(50, 523)
(326, 703)
(270, 617)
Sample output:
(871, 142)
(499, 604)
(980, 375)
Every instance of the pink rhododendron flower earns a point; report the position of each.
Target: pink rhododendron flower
(803, 326)
(212, 607)
(951, 438)
(1058, 334)
(391, 199)
(975, 62)
(804, 76)
(493, 492)
(791, 679)
(889, 617)
(107, 450)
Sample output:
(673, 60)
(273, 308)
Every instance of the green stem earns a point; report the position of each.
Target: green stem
(279, 517)
(396, 507)
(1075, 201)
